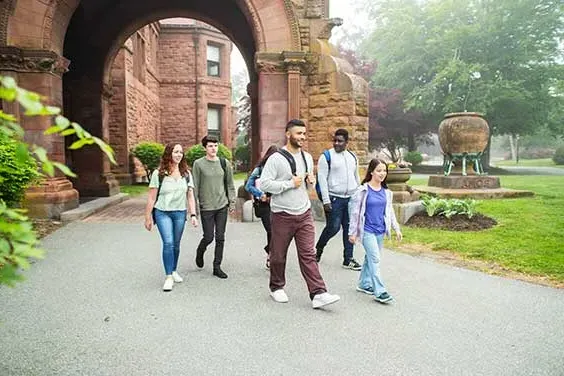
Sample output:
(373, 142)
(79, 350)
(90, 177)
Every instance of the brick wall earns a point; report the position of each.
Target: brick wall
(164, 97)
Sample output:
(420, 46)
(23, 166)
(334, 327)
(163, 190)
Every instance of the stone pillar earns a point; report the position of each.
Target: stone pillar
(41, 71)
(272, 101)
(89, 107)
(293, 62)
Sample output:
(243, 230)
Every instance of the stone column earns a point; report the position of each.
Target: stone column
(272, 101)
(293, 62)
(90, 108)
(41, 71)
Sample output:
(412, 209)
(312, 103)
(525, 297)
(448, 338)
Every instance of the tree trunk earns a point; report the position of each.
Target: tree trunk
(512, 148)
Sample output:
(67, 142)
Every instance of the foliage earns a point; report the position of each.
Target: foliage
(198, 151)
(499, 57)
(18, 241)
(558, 157)
(243, 155)
(149, 154)
(448, 207)
(17, 172)
(391, 126)
(414, 157)
(527, 239)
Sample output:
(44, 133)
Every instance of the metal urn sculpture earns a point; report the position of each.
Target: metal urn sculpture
(463, 137)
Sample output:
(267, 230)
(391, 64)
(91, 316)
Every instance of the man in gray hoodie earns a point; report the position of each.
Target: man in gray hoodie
(286, 175)
(337, 173)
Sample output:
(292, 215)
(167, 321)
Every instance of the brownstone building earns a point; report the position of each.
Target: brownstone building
(64, 49)
(170, 82)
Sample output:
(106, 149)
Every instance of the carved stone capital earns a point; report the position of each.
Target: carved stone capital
(270, 63)
(294, 61)
(32, 61)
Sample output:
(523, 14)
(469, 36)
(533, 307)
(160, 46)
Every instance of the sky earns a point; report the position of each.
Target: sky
(344, 9)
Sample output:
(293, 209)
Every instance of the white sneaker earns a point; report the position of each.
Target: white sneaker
(279, 296)
(176, 277)
(169, 282)
(321, 300)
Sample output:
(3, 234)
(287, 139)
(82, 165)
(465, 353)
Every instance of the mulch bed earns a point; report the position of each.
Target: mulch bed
(455, 223)
(44, 227)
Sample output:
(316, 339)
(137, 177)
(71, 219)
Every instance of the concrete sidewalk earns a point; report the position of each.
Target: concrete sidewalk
(94, 306)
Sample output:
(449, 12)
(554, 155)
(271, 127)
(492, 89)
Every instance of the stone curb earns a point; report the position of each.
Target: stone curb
(92, 207)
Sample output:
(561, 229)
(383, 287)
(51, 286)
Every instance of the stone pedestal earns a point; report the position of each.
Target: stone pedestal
(464, 182)
(50, 198)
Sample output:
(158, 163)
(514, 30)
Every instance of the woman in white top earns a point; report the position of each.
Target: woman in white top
(171, 194)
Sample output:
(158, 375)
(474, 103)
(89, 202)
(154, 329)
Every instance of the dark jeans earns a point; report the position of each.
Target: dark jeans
(171, 226)
(286, 227)
(266, 223)
(213, 220)
(337, 218)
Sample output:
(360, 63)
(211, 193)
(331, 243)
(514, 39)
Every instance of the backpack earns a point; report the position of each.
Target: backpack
(223, 164)
(290, 158)
(327, 155)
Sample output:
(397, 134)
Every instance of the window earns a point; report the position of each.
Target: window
(214, 68)
(139, 66)
(214, 122)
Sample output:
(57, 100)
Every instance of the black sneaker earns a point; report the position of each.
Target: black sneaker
(199, 260)
(318, 253)
(219, 273)
(384, 298)
(352, 265)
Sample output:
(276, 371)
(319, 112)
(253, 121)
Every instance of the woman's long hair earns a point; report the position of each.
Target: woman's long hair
(371, 167)
(165, 167)
(271, 150)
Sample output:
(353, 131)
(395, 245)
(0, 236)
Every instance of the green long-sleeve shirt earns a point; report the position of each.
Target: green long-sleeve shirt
(209, 184)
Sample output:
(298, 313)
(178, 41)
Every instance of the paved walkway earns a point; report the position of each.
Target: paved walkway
(94, 307)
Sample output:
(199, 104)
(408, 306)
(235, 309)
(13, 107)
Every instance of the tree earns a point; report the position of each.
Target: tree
(499, 57)
(390, 125)
(18, 241)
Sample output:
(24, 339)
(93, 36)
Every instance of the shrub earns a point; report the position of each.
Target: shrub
(414, 157)
(558, 157)
(243, 156)
(449, 207)
(18, 170)
(536, 153)
(198, 151)
(149, 154)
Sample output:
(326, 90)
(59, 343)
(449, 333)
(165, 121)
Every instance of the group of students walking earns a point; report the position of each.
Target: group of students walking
(279, 185)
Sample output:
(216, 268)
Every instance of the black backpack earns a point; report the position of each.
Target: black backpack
(290, 158)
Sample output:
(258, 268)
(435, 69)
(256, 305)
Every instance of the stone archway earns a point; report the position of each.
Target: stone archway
(62, 49)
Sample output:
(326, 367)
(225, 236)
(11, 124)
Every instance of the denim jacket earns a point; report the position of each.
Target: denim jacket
(357, 212)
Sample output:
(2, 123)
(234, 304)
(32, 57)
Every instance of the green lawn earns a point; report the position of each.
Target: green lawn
(529, 237)
(547, 162)
(134, 190)
(239, 176)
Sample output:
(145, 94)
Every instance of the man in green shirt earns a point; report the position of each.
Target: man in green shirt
(215, 192)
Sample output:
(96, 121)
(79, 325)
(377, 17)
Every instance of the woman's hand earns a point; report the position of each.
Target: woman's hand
(148, 223)
(399, 236)
(194, 221)
(352, 239)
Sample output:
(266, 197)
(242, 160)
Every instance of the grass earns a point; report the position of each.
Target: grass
(546, 162)
(529, 237)
(134, 190)
(239, 176)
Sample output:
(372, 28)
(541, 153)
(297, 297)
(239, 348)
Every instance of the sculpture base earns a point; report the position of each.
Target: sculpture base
(464, 182)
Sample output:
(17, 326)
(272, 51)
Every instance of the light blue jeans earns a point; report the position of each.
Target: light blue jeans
(370, 274)
(171, 226)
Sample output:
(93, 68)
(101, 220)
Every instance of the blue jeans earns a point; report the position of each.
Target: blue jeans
(370, 273)
(171, 226)
(337, 218)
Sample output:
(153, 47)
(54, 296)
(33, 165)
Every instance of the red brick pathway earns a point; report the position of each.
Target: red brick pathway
(129, 211)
